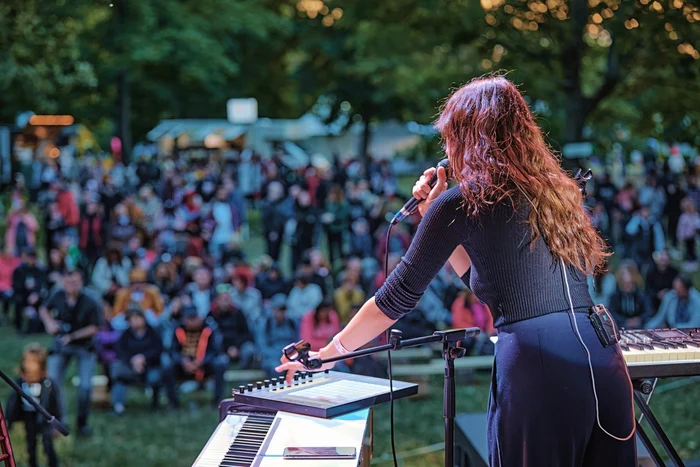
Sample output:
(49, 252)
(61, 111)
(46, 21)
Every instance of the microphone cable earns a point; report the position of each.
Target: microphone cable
(388, 353)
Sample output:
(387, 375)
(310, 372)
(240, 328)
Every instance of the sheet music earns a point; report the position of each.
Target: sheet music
(304, 431)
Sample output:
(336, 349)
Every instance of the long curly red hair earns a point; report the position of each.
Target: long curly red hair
(497, 152)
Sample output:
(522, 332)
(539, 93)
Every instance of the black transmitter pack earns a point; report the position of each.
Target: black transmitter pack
(604, 325)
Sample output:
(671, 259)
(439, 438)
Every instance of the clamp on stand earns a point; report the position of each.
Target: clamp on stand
(299, 352)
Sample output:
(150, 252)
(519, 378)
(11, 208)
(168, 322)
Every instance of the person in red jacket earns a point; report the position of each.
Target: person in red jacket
(67, 204)
(91, 233)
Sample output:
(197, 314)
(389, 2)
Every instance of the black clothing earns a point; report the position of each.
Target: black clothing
(27, 280)
(34, 423)
(270, 287)
(150, 345)
(541, 409)
(657, 281)
(624, 306)
(307, 218)
(72, 317)
(515, 281)
(234, 329)
(274, 218)
(48, 398)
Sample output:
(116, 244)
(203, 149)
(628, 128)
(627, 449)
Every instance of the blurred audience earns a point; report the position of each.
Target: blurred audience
(166, 245)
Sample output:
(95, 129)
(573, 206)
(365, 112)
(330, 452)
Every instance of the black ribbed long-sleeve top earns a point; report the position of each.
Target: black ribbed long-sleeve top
(516, 281)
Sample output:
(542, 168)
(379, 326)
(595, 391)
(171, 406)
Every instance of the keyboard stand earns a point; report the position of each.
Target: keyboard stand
(656, 428)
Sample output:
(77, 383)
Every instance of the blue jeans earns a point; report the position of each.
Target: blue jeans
(56, 367)
(123, 374)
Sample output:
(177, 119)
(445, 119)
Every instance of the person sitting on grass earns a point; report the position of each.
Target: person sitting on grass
(237, 338)
(141, 293)
(278, 327)
(35, 382)
(138, 359)
(197, 352)
(680, 307)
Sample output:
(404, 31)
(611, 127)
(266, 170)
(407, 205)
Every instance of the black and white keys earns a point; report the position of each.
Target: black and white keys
(236, 441)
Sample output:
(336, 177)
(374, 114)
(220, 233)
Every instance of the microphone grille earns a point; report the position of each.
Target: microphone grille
(445, 163)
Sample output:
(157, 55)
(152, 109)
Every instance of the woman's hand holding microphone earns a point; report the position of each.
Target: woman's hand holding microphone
(423, 190)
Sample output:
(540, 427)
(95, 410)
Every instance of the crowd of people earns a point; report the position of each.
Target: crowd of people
(647, 210)
(146, 270)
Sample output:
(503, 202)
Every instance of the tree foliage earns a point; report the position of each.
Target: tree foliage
(40, 56)
(578, 54)
(186, 58)
(589, 67)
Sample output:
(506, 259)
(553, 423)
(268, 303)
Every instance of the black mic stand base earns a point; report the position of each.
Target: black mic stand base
(450, 352)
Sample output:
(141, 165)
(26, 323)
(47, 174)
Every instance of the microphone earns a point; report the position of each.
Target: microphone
(412, 204)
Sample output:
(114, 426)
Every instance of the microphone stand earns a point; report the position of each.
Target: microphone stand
(60, 427)
(450, 351)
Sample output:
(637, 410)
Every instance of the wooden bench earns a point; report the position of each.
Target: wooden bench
(244, 376)
(409, 354)
(436, 366)
(420, 372)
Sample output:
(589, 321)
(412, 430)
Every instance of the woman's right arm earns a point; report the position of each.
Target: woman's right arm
(367, 324)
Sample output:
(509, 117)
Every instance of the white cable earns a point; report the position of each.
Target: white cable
(590, 365)
(588, 353)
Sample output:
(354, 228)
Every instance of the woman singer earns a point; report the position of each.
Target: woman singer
(517, 219)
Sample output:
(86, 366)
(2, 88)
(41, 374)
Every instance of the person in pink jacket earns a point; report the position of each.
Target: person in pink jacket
(468, 311)
(22, 227)
(319, 326)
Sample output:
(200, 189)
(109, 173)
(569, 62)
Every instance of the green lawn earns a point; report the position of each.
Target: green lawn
(144, 438)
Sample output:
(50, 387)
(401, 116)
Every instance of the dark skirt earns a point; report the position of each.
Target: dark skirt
(542, 411)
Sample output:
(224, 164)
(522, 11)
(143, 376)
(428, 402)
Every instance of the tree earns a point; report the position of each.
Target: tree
(164, 59)
(40, 57)
(381, 60)
(577, 54)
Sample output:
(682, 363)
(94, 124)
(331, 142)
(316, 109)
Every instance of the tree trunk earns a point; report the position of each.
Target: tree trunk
(575, 117)
(123, 91)
(364, 145)
(571, 58)
(124, 115)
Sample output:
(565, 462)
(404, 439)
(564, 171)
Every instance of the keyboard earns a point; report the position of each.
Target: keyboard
(324, 394)
(661, 353)
(253, 437)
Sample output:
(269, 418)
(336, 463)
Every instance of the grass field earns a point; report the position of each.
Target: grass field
(174, 438)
